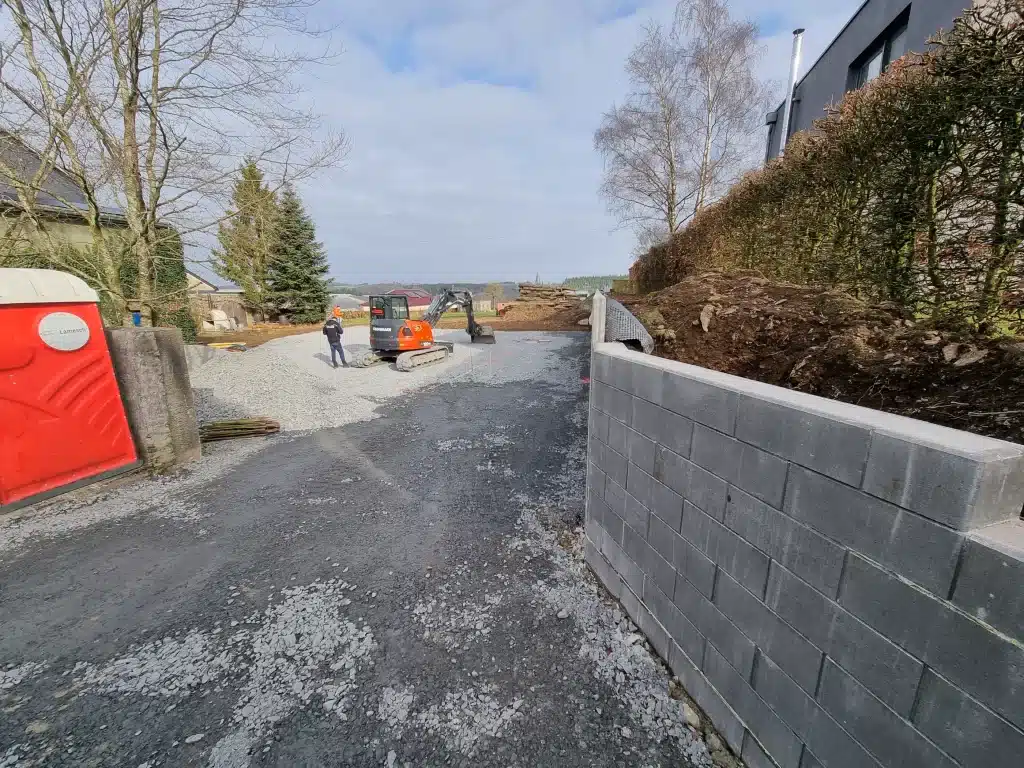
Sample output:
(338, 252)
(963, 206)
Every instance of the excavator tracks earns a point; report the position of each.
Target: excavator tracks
(421, 357)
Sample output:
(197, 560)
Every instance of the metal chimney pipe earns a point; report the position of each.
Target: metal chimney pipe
(794, 70)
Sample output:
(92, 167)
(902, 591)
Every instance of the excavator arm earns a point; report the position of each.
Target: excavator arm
(449, 299)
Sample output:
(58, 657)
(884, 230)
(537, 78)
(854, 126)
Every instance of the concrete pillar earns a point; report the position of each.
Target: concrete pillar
(152, 372)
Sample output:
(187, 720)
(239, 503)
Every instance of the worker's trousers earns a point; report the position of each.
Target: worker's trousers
(337, 349)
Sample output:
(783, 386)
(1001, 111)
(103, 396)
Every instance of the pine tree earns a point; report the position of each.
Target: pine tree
(247, 236)
(297, 273)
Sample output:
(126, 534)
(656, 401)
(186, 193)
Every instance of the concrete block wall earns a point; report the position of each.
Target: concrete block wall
(834, 586)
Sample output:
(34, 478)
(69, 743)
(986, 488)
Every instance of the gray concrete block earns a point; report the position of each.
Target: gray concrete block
(910, 545)
(602, 568)
(834, 747)
(640, 451)
(780, 642)
(615, 496)
(832, 447)
(672, 470)
(961, 491)
(618, 437)
(694, 565)
(636, 515)
(755, 471)
(787, 699)
(668, 505)
(613, 464)
(663, 426)
(808, 760)
(881, 666)
(737, 648)
(701, 402)
(803, 550)
(619, 405)
(890, 738)
(679, 627)
(647, 382)
(627, 569)
(640, 485)
(661, 537)
(599, 424)
(991, 568)
(620, 373)
(725, 720)
(985, 664)
(601, 366)
(653, 630)
(659, 570)
(630, 601)
(754, 755)
(969, 732)
(727, 550)
(695, 484)
(779, 741)
(595, 480)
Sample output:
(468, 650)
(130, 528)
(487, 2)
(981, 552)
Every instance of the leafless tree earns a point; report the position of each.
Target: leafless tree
(149, 105)
(685, 130)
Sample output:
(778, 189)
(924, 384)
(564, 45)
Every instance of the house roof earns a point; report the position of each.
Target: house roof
(58, 194)
(411, 293)
(207, 275)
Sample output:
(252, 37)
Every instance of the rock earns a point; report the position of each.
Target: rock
(970, 357)
(714, 743)
(627, 733)
(563, 614)
(705, 316)
(950, 352)
(392, 757)
(194, 738)
(690, 716)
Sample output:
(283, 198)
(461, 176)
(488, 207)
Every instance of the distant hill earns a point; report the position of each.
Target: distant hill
(592, 283)
(365, 289)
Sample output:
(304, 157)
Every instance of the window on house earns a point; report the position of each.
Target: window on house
(876, 59)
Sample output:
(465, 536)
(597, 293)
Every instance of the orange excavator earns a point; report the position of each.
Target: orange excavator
(394, 335)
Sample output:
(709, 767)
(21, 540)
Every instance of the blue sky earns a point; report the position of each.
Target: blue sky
(471, 125)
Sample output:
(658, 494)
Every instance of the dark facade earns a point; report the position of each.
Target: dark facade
(879, 32)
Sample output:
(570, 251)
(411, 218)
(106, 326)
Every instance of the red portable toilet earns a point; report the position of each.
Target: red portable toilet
(62, 420)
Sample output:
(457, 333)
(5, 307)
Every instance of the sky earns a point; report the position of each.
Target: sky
(471, 128)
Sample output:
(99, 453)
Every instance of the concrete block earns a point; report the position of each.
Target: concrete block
(599, 424)
(754, 755)
(640, 451)
(617, 404)
(601, 366)
(834, 747)
(726, 637)
(694, 565)
(152, 374)
(787, 699)
(779, 741)
(701, 402)
(630, 601)
(620, 374)
(663, 426)
(615, 496)
(672, 470)
(758, 473)
(825, 444)
(668, 505)
(882, 667)
(890, 738)
(653, 630)
(618, 437)
(602, 568)
(613, 525)
(661, 537)
(647, 383)
(727, 550)
(659, 570)
(627, 569)
(679, 627)
(991, 572)
(695, 484)
(780, 642)
(640, 485)
(595, 480)
(961, 491)
(914, 547)
(969, 732)
(985, 664)
(636, 515)
(803, 550)
(808, 760)
(613, 464)
(725, 720)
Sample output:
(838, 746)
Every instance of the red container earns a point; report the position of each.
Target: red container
(62, 420)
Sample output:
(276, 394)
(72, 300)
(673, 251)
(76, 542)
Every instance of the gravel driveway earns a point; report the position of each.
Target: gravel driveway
(403, 590)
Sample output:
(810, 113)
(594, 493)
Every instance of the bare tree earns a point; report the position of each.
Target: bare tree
(686, 129)
(150, 105)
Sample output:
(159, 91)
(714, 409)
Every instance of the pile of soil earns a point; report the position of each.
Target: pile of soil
(543, 308)
(831, 344)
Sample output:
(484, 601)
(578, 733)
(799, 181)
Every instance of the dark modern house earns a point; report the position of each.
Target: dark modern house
(880, 32)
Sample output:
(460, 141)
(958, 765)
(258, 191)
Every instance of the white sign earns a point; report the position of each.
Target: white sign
(63, 331)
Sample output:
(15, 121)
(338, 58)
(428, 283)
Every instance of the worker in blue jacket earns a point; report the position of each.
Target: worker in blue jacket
(333, 331)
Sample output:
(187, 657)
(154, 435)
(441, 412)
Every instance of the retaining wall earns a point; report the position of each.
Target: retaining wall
(834, 586)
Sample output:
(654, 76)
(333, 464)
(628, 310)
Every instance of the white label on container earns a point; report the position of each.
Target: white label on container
(63, 331)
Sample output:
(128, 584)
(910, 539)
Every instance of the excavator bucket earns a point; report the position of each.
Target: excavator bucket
(485, 335)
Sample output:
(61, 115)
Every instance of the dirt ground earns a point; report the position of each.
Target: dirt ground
(255, 335)
(833, 345)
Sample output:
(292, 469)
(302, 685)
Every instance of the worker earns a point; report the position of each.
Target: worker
(333, 331)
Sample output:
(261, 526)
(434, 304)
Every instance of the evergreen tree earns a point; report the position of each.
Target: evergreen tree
(297, 273)
(247, 237)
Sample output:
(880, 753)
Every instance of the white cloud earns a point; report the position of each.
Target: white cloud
(454, 176)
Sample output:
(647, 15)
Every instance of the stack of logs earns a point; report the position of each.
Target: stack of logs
(555, 296)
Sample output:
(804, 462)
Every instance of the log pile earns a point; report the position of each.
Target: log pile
(229, 430)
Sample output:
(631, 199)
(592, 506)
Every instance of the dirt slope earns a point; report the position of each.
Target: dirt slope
(831, 344)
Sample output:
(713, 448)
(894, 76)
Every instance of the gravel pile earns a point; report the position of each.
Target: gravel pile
(291, 379)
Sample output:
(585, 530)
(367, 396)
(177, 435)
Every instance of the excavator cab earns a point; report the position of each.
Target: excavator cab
(391, 329)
